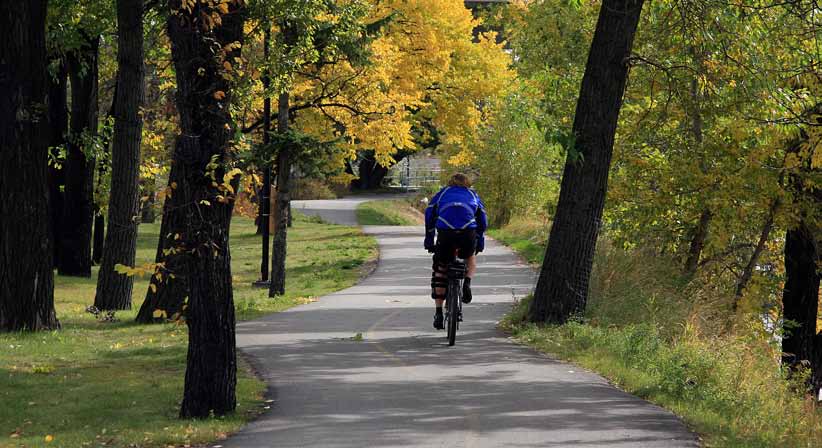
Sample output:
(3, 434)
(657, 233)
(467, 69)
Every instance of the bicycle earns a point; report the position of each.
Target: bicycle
(453, 299)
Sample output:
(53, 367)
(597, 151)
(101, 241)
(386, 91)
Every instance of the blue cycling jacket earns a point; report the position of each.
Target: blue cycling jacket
(455, 208)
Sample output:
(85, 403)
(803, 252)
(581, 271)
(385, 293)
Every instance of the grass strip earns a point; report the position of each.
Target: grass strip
(388, 212)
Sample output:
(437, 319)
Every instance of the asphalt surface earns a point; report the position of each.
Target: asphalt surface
(400, 385)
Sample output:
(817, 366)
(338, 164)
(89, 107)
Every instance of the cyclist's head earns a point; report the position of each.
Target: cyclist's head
(459, 180)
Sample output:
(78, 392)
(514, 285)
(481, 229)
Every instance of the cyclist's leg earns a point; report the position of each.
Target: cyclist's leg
(471, 266)
(439, 282)
(467, 249)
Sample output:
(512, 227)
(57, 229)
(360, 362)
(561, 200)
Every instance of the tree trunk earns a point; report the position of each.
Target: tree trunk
(98, 236)
(698, 242)
(562, 289)
(800, 302)
(147, 213)
(78, 210)
(279, 250)
(166, 292)
(58, 127)
(764, 235)
(371, 174)
(114, 289)
(203, 96)
(26, 277)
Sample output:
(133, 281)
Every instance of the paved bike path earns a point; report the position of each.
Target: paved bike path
(400, 385)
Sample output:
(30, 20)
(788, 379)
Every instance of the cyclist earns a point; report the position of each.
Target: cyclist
(456, 217)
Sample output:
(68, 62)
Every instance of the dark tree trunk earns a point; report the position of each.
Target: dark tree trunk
(78, 210)
(99, 220)
(114, 289)
(283, 204)
(371, 175)
(58, 127)
(562, 289)
(167, 291)
(26, 276)
(147, 213)
(800, 301)
(203, 97)
(98, 236)
(698, 242)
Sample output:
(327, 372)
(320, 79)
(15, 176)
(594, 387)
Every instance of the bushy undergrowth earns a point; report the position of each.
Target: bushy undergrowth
(674, 342)
(310, 189)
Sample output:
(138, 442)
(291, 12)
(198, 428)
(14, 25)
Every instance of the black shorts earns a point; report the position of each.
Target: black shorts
(455, 242)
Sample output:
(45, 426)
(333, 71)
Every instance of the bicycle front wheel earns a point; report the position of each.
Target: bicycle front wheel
(453, 302)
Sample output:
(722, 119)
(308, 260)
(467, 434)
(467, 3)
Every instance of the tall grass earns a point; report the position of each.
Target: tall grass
(674, 341)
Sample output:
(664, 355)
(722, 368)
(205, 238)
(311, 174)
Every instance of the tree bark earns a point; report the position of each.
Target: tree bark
(166, 292)
(58, 127)
(26, 276)
(99, 234)
(78, 210)
(562, 289)
(279, 250)
(114, 289)
(203, 96)
(371, 175)
(147, 213)
(800, 302)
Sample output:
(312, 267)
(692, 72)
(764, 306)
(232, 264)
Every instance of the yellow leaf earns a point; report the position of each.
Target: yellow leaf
(223, 8)
(49, 438)
(159, 314)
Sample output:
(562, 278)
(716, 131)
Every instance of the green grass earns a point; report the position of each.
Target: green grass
(388, 212)
(656, 336)
(526, 237)
(119, 385)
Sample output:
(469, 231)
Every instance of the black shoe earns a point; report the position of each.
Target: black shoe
(439, 323)
(466, 291)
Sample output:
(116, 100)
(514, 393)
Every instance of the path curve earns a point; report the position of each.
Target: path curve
(402, 386)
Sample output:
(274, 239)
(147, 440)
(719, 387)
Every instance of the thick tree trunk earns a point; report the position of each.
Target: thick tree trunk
(58, 127)
(203, 97)
(114, 289)
(26, 277)
(562, 289)
(283, 204)
(167, 292)
(78, 210)
(800, 301)
(371, 175)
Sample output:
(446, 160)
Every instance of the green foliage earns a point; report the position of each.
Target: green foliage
(518, 171)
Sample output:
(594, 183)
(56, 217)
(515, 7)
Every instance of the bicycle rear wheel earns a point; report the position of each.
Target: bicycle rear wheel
(453, 303)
